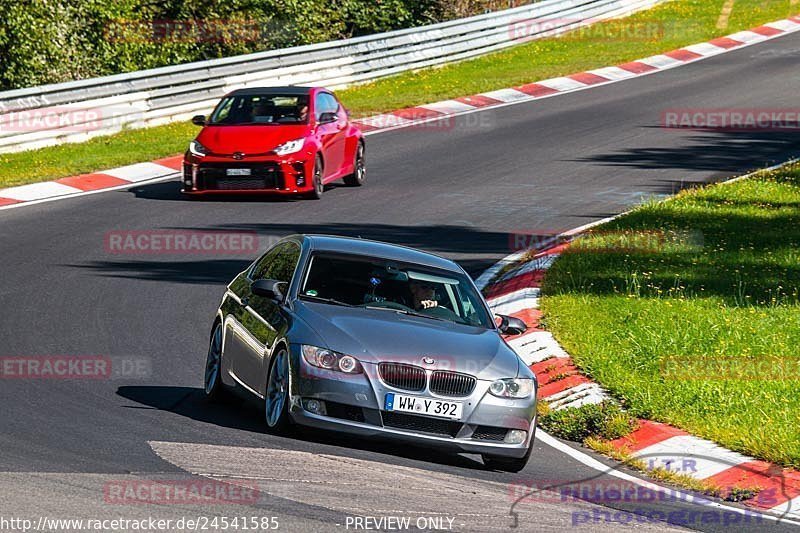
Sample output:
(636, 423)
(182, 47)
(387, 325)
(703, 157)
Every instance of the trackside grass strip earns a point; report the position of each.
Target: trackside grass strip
(669, 26)
(688, 311)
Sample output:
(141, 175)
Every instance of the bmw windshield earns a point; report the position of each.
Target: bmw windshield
(376, 283)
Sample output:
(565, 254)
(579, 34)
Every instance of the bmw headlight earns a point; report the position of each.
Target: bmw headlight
(197, 149)
(330, 360)
(290, 147)
(512, 388)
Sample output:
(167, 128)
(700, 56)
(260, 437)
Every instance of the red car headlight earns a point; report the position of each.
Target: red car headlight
(290, 147)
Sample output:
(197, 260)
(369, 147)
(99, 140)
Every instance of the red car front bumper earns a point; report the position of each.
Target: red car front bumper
(262, 175)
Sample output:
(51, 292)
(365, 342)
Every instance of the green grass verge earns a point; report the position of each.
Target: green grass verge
(604, 421)
(674, 24)
(688, 310)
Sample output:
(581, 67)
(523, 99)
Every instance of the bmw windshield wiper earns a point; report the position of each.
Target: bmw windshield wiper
(331, 301)
(406, 312)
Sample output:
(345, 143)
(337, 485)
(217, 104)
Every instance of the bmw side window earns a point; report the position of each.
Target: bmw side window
(279, 264)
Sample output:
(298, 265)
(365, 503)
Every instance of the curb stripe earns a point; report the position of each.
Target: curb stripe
(8, 201)
(767, 31)
(530, 279)
(790, 508)
(562, 84)
(174, 162)
(725, 42)
(561, 385)
(647, 434)
(506, 95)
(92, 182)
(37, 191)
(417, 113)
(777, 488)
(613, 73)
(478, 100)
(536, 89)
(588, 78)
(448, 107)
(662, 61)
(691, 455)
(683, 55)
(139, 172)
(637, 67)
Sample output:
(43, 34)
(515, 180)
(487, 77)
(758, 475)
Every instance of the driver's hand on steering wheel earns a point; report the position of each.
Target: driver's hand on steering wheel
(427, 304)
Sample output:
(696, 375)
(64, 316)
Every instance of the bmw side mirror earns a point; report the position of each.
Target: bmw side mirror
(510, 325)
(267, 288)
(199, 120)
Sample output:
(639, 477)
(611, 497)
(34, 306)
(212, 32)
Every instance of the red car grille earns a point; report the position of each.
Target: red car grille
(214, 176)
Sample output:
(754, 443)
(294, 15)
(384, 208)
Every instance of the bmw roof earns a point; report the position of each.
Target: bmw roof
(395, 252)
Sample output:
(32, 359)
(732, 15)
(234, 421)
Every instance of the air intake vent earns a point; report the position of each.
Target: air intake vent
(421, 424)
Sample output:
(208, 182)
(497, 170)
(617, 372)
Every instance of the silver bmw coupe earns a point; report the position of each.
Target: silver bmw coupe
(373, 339)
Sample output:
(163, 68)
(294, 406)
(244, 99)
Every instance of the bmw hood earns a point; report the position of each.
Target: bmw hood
(374, 336)
(249, 139)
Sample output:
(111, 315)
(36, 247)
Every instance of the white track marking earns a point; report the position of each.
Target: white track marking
(791, 508)
(386, 120)
(784, 25)
(138, 172)
(537, 346)
(507, 95)
(562, 84)
(613, 73)
(38, 191)
(705, 49)
(661, 61)
(748, 37)
(583, 394)
(448, 107)
(525, 292)
(709, 458)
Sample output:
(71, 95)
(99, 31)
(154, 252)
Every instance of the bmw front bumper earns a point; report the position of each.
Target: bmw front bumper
(354, 404)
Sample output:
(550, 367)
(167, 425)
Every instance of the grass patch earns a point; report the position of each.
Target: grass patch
(672, 25)
(606, 421)
(695, 322)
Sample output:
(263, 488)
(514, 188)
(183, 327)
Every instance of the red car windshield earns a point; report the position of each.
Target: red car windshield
(255, 109)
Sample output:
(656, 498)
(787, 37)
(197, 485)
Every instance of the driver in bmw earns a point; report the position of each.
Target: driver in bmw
(423, 293)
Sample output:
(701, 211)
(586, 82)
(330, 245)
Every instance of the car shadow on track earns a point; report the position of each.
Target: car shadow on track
(202, 272)
(171, 190)
(244, 416)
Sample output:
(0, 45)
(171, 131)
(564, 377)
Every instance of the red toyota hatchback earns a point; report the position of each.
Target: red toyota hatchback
(278, 140)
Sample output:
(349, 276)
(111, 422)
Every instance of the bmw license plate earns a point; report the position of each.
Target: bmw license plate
(238, 171)
(423, 406)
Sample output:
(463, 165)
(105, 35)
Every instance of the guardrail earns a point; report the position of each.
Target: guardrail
(76, 111)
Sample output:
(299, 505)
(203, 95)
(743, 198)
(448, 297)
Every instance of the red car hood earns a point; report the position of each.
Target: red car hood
(250, 139)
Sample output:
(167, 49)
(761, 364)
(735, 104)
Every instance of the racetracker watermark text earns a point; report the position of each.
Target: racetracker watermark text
(732, 120)
(84, 367)
(168, 242)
